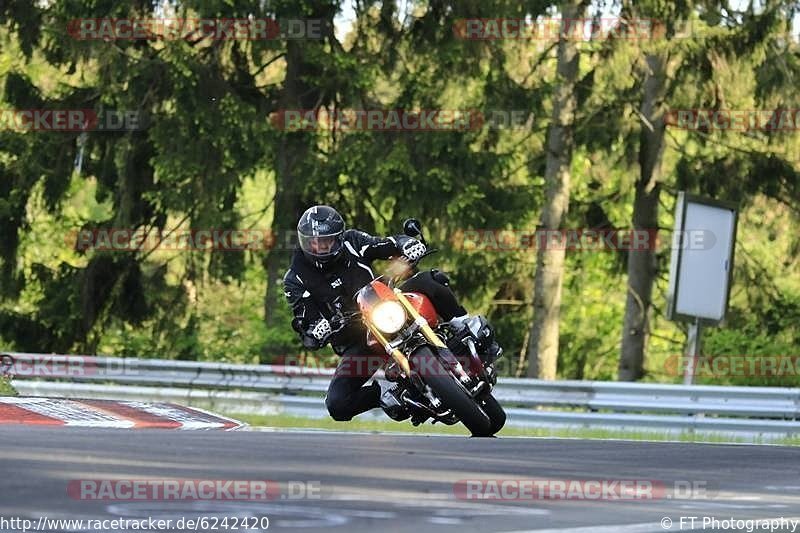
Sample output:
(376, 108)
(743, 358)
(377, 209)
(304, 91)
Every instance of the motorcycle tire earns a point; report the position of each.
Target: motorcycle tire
(495, 411)
(446, 387)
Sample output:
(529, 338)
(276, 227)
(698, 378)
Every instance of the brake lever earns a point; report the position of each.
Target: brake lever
(429, 251)
(413, 264)
(338, 322)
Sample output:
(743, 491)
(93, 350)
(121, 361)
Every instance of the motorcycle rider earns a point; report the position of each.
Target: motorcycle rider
(327, 268)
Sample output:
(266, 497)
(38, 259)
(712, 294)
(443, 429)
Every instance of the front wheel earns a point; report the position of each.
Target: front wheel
(497, 415)
(446, 387)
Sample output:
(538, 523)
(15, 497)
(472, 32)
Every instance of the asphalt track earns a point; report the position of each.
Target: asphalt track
(372, 482)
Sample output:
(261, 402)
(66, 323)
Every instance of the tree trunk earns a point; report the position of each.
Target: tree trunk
(304, 70)
(291, 157)
(642, 265)
(543, 342)
(288, 208)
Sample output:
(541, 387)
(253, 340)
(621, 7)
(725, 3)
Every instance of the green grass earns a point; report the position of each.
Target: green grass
(6, 389)
(289, 421)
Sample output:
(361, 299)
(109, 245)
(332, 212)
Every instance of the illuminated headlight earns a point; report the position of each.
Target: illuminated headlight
(388, 317)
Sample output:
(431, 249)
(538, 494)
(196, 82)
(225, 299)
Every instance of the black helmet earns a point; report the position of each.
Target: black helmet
(319, 234)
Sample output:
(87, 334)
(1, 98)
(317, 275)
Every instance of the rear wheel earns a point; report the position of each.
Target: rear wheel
(446, 387)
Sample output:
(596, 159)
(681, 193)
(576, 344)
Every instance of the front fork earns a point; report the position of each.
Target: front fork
(403, 363)
(398, 356)
(434, 339)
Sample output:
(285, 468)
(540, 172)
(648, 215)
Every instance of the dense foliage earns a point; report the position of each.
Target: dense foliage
(210, 154)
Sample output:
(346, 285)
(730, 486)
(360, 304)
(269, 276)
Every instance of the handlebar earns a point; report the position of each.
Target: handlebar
(338, 322)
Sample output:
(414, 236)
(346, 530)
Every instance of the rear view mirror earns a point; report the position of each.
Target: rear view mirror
(412, 227)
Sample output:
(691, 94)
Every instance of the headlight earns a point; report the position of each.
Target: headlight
(388, 316)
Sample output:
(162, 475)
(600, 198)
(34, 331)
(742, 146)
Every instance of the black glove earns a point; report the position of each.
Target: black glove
(317, 334)
(413, 249)
(310, 342)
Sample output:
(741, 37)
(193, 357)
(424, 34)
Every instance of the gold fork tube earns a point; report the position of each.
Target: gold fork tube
(396, 354)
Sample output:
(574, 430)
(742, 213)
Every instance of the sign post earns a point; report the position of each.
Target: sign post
(692, 352)
(700, 268)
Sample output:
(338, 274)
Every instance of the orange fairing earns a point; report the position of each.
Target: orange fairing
(370, 295)
(424, 307)
(382, 290)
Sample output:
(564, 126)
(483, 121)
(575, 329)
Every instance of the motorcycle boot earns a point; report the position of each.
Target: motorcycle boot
(391, 404)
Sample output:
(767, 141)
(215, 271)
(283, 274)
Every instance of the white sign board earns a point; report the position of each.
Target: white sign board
(702, 259)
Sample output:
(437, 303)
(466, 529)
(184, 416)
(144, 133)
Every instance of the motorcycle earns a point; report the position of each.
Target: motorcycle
(444, 374)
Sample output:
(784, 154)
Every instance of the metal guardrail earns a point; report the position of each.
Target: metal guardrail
(269, 389)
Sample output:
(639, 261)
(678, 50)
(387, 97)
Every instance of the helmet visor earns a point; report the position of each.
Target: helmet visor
(321, 246)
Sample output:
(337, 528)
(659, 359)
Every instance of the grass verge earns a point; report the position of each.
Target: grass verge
(6, 389)
(289, 421)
